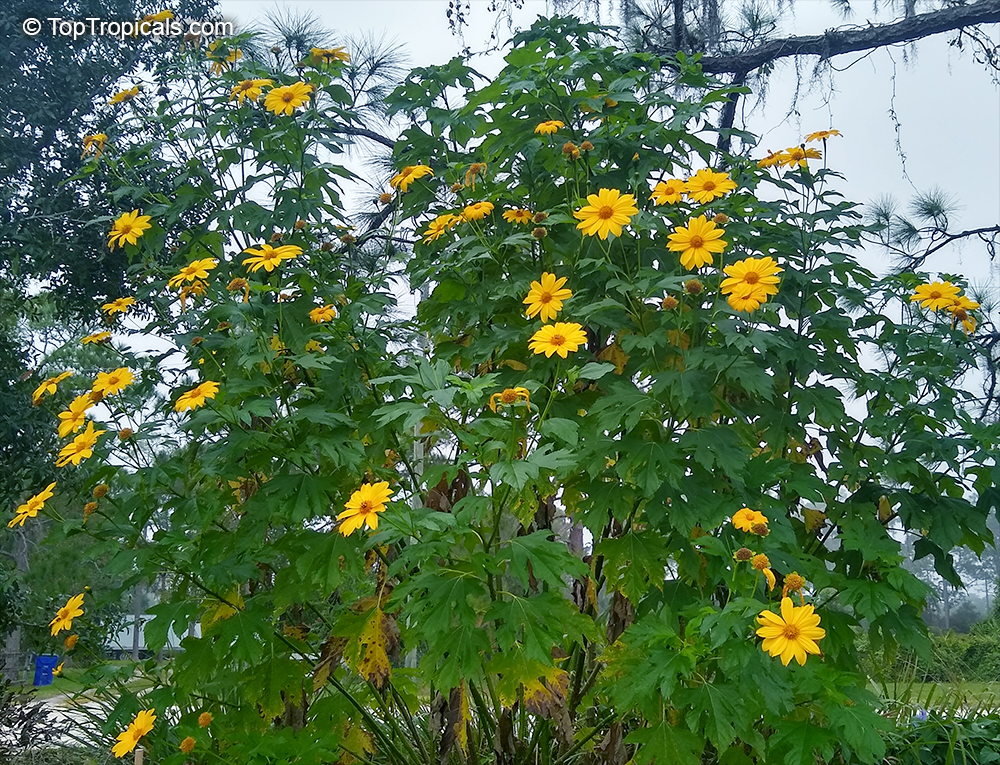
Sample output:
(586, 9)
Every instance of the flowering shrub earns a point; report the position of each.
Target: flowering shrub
(586, 505)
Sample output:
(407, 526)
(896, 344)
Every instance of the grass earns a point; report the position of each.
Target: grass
(965, 696)
(68, 683)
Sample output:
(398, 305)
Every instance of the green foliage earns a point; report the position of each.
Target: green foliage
(554, 577)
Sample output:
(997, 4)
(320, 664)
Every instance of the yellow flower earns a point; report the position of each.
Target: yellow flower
(545, 297)
(771, 159)
(288, 98)
(196, 269)
(249, 90)
(797, 156)
(124, 95)
(120, 305)
(205, 719)
(561, 338)
(750, 282)
(936, 295)
(107, 383)
(326, 55)
(793, 634)
(960, 313)
(49, 386)
(30, 508)
(187, 744)
(761, 563)
(58, 670)
(155, 17)
(669, 192)
(607, 212)
(477, 211)
(70, 643)
(81, 447)
(517, 215)
(96, 339)
(821, 135)
(75, 416)
(793, 583)
(66, 615)
(323, 313)
(745, 519)
(94, 143)
(548, 127)
(697, 242)
(363, 509)
(269, 258)
(196, 396)
(128, 229)
(437, 227)
(218, 65)
(408, 175)
(510, 396)
(129, 738)
(706, 185)
(476, 168)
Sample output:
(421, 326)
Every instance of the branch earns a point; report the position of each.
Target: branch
(835, 42)
(365, 133)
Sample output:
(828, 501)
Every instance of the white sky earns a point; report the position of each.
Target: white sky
(947, 105)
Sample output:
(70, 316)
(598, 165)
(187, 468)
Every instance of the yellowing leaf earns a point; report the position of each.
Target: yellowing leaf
(217, 610)
(368, 653)
(615, 355)
(357, 741)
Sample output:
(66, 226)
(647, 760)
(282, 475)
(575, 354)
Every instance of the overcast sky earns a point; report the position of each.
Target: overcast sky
(947, 106)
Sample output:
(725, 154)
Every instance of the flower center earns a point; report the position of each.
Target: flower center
(791, 632)
(960, 314)
(606, 212)
(936, 294)
(557, 340)
(125, 228)
(366, 507)
(696, 242)
(508, 397)
(751, 278)
(288, 97)
(708, 186)
(545, 298)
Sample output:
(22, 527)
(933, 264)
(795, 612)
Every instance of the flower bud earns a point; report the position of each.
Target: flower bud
(326, 246)
(540, 233)
(743, 555)
(88, 509)
(125, 434)
(721, 218)
(760, 529)
(540, 217)
(100, 490)
(456, 187)
(384, 198)
(693, 287)
(669, 303)
(586, 146)
(348, 239)
(276, 236)
(299, 225)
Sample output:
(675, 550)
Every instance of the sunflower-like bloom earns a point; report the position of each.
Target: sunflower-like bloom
(70, 643)
(322, 313)
(30, 508)
(196, 397)
(791, 635)
(510, 396)
(124, 95)
(204, 719)
(187, 744)
(796, 156)
(121, 305)
(156, 17)
(408, 175)
(477, 211)
(129, 738)
(108, 383)
(561, 338)
(326, 55)
(821, 135)
(437, 227)
(196, 269)
(548, 127)
(771, 159)
(268, 257)
(48, 387)
(706, 185)
(128, 229)
(518, 215)
(96, 339)
(221, 65)
(607, 212)
(697, 242)
(75, 416)
(476, 168)
(364, 506)
(936, 295)
(66, 615)
(744, 519)
(669, 192)
(960, 313)
(761, 563)
(794, 582)
(751, 281)
(288, 98)
(80, 448)
(94, 144)
(249, 90)
(545, 297)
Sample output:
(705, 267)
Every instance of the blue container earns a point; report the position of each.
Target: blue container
(44, 664)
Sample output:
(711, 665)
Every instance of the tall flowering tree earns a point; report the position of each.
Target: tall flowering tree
(627, 487)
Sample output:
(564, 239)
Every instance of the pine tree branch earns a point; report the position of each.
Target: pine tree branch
(835, 42)
(365, 133)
